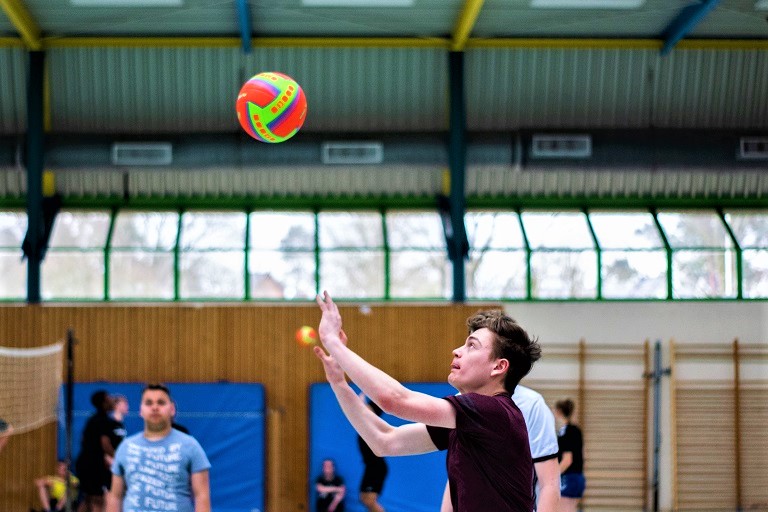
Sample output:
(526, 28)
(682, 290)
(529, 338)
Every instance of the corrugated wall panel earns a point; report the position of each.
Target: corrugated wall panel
(152, 90)
(13, 91)
(211, 343)
(530, 88)
(616, 88)
(365, 89)
(712, 89)
(505, 182)
(482, 181)
(346, 181)
(129, 90)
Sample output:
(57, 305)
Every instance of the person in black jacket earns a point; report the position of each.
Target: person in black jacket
(571, 456)
(96, 451)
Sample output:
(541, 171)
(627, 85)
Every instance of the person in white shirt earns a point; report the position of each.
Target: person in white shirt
(542, 438)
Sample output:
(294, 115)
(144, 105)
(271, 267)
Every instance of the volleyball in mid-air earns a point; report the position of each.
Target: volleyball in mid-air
(306, 335)
(271, 107)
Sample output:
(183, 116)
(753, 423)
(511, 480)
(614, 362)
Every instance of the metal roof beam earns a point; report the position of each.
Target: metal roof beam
(465, 24)
(244, 17)
(24, 22)
(684, 22)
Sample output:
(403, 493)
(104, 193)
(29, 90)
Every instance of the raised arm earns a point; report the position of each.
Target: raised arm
(380, 436)
(388, 393)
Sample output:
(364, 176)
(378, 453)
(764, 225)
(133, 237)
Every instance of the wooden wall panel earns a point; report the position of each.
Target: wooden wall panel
(754, 439)
(238, 343)
(705, 441)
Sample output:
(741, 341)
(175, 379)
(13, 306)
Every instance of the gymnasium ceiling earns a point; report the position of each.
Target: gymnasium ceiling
(156, 72)
(421, 19)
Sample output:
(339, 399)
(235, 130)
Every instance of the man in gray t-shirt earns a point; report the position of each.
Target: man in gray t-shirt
(159, 469)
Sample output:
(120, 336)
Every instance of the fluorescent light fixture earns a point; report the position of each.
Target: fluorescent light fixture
(358, 3)
(587, 4)
(761, 5)
(127, 3)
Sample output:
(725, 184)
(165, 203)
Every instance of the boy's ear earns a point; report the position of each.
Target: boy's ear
(502, 365)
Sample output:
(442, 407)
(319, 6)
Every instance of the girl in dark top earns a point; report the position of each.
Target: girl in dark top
(571, 456)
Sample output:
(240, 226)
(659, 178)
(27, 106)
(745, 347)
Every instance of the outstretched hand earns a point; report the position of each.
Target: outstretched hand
(333, 372)
(330, 322)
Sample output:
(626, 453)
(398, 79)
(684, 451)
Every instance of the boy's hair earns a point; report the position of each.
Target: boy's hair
(566, 407)
(156, 387)
(511, 342)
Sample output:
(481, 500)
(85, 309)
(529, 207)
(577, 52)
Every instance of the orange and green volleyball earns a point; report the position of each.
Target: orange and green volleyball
(271, 107)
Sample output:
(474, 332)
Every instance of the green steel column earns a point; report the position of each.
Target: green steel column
(528, 273)
(387, 260)
(35, 161)
(107, 251)
(177, 259)
(457, 158)
(739, 255)
(247, 265)
(668, 248)
(599, 252)
(317, 252)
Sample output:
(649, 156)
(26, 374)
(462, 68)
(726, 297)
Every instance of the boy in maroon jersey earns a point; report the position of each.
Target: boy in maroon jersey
(489, 459)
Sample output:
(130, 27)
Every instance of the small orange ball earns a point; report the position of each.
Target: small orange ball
(306, 336)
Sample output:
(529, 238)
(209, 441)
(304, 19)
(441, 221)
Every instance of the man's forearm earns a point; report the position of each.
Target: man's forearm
(376, 384)
(365, 422)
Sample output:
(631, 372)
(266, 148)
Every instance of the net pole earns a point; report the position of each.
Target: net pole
(69, 404)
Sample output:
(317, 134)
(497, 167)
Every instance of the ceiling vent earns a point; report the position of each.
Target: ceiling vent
(753, 148)
(336, 153)
(142, 153)
(561, 146)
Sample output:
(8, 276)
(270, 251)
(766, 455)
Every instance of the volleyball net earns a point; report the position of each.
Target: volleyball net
(30, 380)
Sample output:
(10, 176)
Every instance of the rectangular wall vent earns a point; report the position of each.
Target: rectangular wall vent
(753, 148)
(561, 146)
(142, 153)
(335, 153)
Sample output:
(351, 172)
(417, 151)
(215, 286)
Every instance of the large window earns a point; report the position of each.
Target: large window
(563, 256)
(703, 255)
(497, 265)
(282, 255)
(141, 263)
(203, 255)
(13, 268)
(633, 259)
(751, 232)
(74, 267)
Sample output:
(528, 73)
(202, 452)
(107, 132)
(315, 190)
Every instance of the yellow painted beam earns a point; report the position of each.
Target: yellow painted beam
(235, 42)
(11, 42)
(392, 42)
(21, 19)
(619, 44)
(465, 24)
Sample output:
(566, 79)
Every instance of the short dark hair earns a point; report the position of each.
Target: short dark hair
(566, 407)
(511, 342)
(98, 398)
(156, 387)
